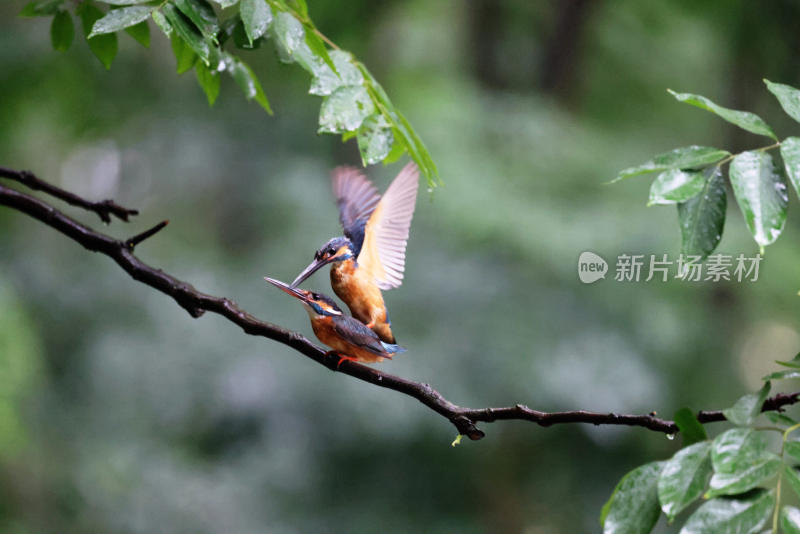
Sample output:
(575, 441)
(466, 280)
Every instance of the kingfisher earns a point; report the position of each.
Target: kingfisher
(349, 338)
(371, 255)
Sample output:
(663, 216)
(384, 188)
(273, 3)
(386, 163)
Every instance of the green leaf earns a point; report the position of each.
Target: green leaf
(793, 477)
(417, 148)
(104, 47)
(794, 362)
(735, 449)
(209, 81)
(162, 22)
(202, 16)
(788, 97)
(633, 506)
(790, 152)
(745, 515)
(41, 8)
(140, 32)
(288, 35)
(691, 429)
(318, 47)
(747, 408)
(374, 139)
(256, 17)
(62, 31)
(792, 448)
(790, 520)
(675, 185)
(761, 193)
(119, 19)
(187, 31)
(302, 8)
(185, 58)
(684, 478)
(225, 3)
(689, 157)
(779, 418)
(326, 81)
(249, 83)
(702, 218)
(398, 149)
(783, 375)
(125, 2)
(746, 478)
(743, 119)
(345, 109)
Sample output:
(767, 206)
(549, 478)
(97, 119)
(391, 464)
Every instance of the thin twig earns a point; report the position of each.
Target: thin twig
(104, 209)
(196, 303)
(135, 240)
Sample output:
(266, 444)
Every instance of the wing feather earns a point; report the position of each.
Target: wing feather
(356, 198)
(383, 253)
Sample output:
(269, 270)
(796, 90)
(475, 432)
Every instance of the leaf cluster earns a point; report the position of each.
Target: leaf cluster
(736, 474)
(206, 37)
(691, 177)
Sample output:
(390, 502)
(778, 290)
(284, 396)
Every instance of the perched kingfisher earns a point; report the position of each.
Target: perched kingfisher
(348, 338)
(372, 253)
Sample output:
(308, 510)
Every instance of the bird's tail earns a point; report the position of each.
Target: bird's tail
(393, 349)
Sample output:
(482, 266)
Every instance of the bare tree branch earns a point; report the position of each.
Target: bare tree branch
(196, 303)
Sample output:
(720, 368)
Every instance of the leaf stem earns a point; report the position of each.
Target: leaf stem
(780, 475)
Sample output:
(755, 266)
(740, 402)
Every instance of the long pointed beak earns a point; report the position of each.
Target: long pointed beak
(296, 293)
(313, 267)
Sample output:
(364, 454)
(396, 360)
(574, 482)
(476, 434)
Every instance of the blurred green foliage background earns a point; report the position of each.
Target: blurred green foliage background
(120, 413)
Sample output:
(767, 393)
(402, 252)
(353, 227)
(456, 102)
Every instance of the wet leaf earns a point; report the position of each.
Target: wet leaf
(288, 35)
(162, 22)
(790, 152)
(125, 2)
(326, 81)
(675, 185)
(684, 478)
(761, 193)
(225, 3)
(745, 515)
(743, 119)
(779, 418)
(735, 449)
(345, 109)
(747, 408)
(202, 16)
(746, 477)
(702, 218)
(783, 375)
(790, 520)
(187, 32)
(374, 139)
(633, 506)
(793, 478)
(788, 97)
(256, 17)
(689, 157)
(62, 31)
(249, 83)
(119, 19)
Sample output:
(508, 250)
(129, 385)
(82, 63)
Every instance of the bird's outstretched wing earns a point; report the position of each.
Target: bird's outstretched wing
(359, 335)
(383, 253)
(356, 198)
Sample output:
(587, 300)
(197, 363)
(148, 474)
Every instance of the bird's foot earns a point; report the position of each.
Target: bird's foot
(341, 357)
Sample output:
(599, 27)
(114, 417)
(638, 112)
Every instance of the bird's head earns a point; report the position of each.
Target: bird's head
(315, 303)
(337, 249)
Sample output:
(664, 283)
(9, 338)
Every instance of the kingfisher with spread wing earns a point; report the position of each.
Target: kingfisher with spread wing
(371, 255)
(349, 338)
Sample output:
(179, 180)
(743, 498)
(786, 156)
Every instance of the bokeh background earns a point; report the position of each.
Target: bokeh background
(120, 413)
